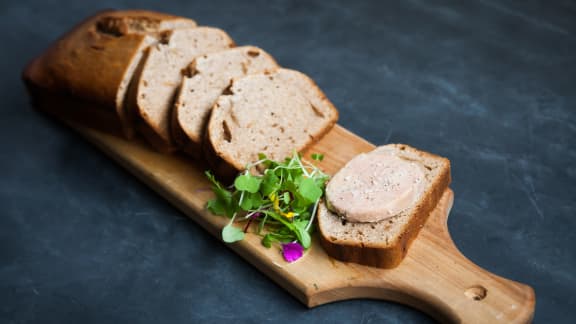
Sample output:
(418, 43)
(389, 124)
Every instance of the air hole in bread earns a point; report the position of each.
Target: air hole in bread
(110, 26)
(97, 47)
(407, 158)
(317, 111)
(190, 70)
(226, 132)
(344, 222)
(164, 38)
(253, 53)
(119, 26)
(228, 91)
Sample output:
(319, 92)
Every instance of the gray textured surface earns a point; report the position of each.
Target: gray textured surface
(489, 84)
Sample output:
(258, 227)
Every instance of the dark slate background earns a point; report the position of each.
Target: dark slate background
(489, 84)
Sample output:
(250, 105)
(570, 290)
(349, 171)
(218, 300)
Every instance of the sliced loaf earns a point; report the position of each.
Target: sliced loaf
(160, 76)
(207, 77)
(96, 60)
(271, 113)
(385, 243)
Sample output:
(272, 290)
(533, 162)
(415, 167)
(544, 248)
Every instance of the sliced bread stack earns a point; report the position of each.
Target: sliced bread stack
(160, 75)
(207, 78)
(384, 243)
(97, 59)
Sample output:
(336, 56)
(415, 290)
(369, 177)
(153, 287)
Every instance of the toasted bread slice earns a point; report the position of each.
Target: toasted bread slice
(384, 244)
(208, 76)
(160, 75)
(272, 113)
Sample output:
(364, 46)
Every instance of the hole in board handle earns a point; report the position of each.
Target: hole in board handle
(476, 292)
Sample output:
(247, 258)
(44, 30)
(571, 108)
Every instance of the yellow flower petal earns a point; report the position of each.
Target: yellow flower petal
(275, 201)
(288, 215)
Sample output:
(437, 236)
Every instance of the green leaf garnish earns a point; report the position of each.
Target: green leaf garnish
(286, 197)
(317, 157)
(282, 200)
(231, 234)
(267, 240)
(222, 204)
(247, 182)
(310, 190)
(302, 233)
(270, 183)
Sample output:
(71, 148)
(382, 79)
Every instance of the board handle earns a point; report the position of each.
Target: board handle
(463, 291)
(436, 278)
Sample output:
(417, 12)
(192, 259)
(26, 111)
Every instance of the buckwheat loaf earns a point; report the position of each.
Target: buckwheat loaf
(95, 61)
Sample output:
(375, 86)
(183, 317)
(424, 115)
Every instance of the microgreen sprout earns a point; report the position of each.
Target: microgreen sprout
(282, 200)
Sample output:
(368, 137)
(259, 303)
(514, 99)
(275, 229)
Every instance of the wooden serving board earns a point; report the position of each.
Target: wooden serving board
(434, 277)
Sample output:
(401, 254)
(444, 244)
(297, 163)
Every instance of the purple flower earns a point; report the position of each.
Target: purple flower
(292, 251)
(256, 215)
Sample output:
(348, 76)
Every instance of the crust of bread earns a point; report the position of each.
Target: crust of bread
(181, 138)
(224, 170)
(65, 107)
(382, 254)
(96, 59)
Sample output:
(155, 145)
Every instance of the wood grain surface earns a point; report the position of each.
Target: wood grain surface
(434, 277)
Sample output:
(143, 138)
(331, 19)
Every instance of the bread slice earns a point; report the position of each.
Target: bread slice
(272, 113)
(96, 60)
(384, 244)
(208, 76)
(160, 77)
